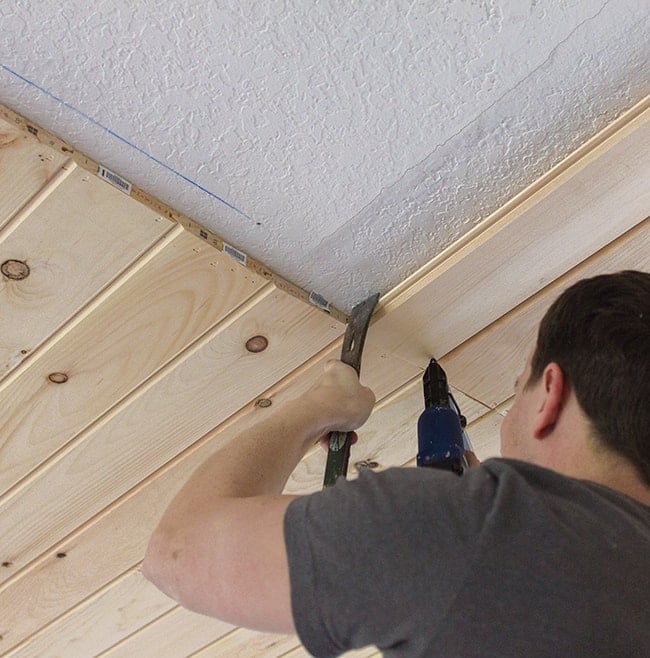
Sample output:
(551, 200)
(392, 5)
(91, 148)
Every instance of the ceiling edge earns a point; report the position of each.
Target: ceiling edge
(37, 132)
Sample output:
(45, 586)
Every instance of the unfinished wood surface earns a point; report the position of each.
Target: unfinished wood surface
(74, 245)
(162, 380)
(486, 366)
(578, 211)
(110, 615)
(243, 643)
(25, 168)
(56, 579)
(127, 525)
(176, 633)
(367, 652)
(157, 421)
(159, 308)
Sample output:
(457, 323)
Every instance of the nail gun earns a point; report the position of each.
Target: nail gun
(442, 439)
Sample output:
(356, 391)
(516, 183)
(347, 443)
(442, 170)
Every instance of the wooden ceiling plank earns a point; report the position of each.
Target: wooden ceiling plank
(74, 243)
(26, 167)
(485, 367)
(99, 622)
(177, 633)
(366, 652)
(165, 415)
(584, 204)
(127, 524)
(32, 203)
(150, 318)
(243, 643)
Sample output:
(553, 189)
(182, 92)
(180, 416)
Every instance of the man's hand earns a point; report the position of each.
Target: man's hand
(338, 399)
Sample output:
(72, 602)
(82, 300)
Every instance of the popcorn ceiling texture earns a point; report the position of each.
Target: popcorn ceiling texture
(357, 139)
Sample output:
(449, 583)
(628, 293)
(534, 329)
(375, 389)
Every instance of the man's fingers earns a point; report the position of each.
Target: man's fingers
(472, 459)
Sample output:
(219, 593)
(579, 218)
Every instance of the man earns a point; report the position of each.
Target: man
(543, 553)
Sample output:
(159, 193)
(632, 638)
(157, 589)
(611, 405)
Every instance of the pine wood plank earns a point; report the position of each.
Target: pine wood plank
(486, 366)
(126, 526)
(584, 204)
(154, 314)
(177, 633)
(159, 420)
(107, 617)
(75, 242)
(25, 168)
(243, 643)
(301, 652)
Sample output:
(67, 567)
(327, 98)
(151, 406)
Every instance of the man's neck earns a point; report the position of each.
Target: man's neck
(611, 472)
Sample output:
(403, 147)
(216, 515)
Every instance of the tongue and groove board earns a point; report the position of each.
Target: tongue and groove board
(148, 323)
(25, 168)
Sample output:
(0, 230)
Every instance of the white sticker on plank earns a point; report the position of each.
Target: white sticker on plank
(115, 180)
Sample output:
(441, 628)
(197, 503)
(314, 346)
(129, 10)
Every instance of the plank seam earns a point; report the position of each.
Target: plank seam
(68, 613)
(28, 207)
(47, 138)
(558, 175)
(133, 395)
(108, 289)
(130, 636)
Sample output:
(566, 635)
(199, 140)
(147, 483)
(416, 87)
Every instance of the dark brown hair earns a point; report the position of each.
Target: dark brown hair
(598, 332)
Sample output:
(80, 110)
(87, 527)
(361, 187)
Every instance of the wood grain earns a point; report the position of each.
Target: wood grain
(127, 525)
(25, 168)
(160, 419)
(176, 633)
(162, 381)
(151, 316)
(74, 244)
(243, 643)
(577, 212)
(389, 437)
(108, 616)
(486, 366)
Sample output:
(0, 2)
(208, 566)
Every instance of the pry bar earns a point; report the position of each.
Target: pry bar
(338, 454)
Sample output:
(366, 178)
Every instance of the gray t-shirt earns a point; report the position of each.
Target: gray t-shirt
(509, 560)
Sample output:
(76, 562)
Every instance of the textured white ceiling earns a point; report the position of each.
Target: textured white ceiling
(342, 143)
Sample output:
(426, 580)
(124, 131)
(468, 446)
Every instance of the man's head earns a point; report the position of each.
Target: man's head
(595, 338)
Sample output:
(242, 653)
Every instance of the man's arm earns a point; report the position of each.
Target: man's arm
(219, 548)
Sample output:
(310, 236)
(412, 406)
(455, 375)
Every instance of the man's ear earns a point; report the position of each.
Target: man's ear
(552, 391)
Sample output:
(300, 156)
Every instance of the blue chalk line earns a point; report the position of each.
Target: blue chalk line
(123, 140)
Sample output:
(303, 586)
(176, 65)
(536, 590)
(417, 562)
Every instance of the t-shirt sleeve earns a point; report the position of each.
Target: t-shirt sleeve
(371, 559)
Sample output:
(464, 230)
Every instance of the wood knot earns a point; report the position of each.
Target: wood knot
(58, 377)
(16, 270)
(257, 344)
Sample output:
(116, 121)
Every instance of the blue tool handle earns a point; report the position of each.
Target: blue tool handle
(440, 440)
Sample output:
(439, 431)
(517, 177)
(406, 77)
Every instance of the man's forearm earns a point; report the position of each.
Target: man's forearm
(257, 462)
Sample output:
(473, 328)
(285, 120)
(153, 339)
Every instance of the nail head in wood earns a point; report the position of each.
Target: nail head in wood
(257, 344)
(366, 463)
(58, 377)
(16, 270)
